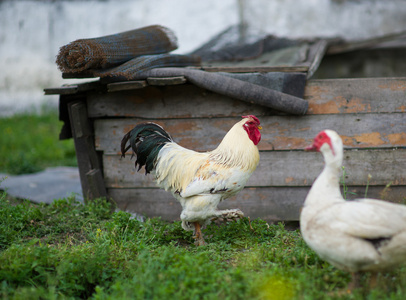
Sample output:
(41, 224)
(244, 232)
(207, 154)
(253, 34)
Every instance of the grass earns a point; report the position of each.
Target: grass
(30, 142)
(69, 250)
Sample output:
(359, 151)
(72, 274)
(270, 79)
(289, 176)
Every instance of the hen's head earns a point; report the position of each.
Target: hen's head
(328, 137)
(320, 139)
(252, 128)
(329, 143)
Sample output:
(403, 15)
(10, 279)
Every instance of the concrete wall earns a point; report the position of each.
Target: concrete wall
(350, 19)
(31, 32)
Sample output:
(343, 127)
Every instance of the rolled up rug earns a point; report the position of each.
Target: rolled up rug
(240, 89)
(111, 50)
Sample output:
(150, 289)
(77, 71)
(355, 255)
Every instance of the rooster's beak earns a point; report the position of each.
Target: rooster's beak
(259, 127)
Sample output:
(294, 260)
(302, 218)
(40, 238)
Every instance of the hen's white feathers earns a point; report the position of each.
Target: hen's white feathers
(358, 235)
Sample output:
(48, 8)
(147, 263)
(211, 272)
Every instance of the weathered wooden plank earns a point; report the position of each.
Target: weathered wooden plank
(63, 90)
(86, 154)
(166, 80)
(230, 69)
(254, 202)
(346, 46)
(279, 132)
(126, 85)
(253, 69)
(284, 168)
(96, 184)
(269, 204)
(71, 89)
(186, 101)
(315, 56)
(363, 95)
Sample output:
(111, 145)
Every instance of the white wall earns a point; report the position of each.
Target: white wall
(31, 32)
(350, 19)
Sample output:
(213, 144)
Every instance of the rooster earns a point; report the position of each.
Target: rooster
(198, 180)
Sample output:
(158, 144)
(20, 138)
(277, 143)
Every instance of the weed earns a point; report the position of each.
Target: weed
(385, 191)
(344, 185)
(366, 188)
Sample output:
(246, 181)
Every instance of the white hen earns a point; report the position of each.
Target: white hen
(363, 235)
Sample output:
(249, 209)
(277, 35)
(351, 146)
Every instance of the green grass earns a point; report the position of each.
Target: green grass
(72, 251)
(30, 142)
(68, 250)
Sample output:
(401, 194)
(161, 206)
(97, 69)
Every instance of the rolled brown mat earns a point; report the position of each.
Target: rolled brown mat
(112, 50)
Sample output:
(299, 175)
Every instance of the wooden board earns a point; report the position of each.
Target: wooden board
(126, 85)
(361, 95)
(255, 69)
(71, 89)
(269, 204)
(284, 169)
(166, 80)
(185, 101)
(278, 133)
(89, 162)
(379, 95)
(254, 202)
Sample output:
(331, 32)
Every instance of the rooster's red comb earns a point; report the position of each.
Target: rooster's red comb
(256, 120)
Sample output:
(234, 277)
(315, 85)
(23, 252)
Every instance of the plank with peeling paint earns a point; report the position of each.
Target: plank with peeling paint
(278, 133)
(166, 80)
(269, 204)
(284, 168)
(364, 95)
(361, 95)
(185, 101)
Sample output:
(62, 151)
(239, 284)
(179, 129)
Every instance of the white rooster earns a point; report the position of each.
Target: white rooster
(199, 181)
(363, 235)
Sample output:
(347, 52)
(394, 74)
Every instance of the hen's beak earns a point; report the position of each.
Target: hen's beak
(259, 127)
(311, 148)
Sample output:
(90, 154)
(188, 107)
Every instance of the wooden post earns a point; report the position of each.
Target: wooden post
(91, 177)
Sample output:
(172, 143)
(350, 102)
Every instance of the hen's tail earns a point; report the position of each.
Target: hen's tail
(146, 140)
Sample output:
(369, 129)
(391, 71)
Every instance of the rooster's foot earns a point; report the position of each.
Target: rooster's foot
(199, 240)
(229, 214)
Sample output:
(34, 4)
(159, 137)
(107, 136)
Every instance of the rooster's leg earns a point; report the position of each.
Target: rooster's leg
(198, 235)
(354, 284)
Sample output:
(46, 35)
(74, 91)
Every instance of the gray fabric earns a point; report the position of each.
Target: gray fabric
(240, 51)
(288, 83)
(143, 63)
(235, 88)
